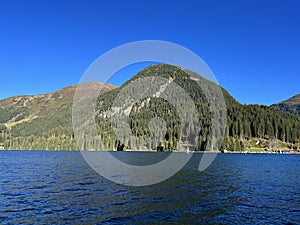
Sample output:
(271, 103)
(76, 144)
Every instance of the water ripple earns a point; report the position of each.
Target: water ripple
(44, 187)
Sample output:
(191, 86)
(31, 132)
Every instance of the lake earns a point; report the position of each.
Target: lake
(52, 187)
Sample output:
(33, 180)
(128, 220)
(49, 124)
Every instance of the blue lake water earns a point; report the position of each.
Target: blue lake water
(48, 187)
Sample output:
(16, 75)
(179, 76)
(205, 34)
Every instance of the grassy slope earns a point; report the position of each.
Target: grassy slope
(40, 121)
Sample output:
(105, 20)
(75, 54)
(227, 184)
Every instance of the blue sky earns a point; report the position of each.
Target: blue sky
(252, 47)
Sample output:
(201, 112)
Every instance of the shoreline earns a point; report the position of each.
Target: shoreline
(154, 151)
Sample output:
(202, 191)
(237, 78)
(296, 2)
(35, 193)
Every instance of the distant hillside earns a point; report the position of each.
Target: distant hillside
(41, 121)
(292, 105)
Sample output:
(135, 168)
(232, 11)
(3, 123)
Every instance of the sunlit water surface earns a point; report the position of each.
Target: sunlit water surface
(48, 187)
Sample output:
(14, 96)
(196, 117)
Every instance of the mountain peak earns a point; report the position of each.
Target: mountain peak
(295, 100)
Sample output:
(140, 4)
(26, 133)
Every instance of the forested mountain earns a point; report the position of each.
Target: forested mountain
(45, 121)
(292, 105)
(247, 125)
(41, 121)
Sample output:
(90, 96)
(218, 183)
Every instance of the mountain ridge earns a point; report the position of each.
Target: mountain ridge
(295, 100)
(36, 104)
(45, 121)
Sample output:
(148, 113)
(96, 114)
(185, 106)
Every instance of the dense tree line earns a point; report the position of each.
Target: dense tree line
(53, 132)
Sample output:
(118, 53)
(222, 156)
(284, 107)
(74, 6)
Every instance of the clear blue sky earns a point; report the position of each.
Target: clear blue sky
(252, 47)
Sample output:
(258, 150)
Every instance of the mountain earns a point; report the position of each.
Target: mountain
(292, 105)
(247, 125)
(150, 112)
(41, 121)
